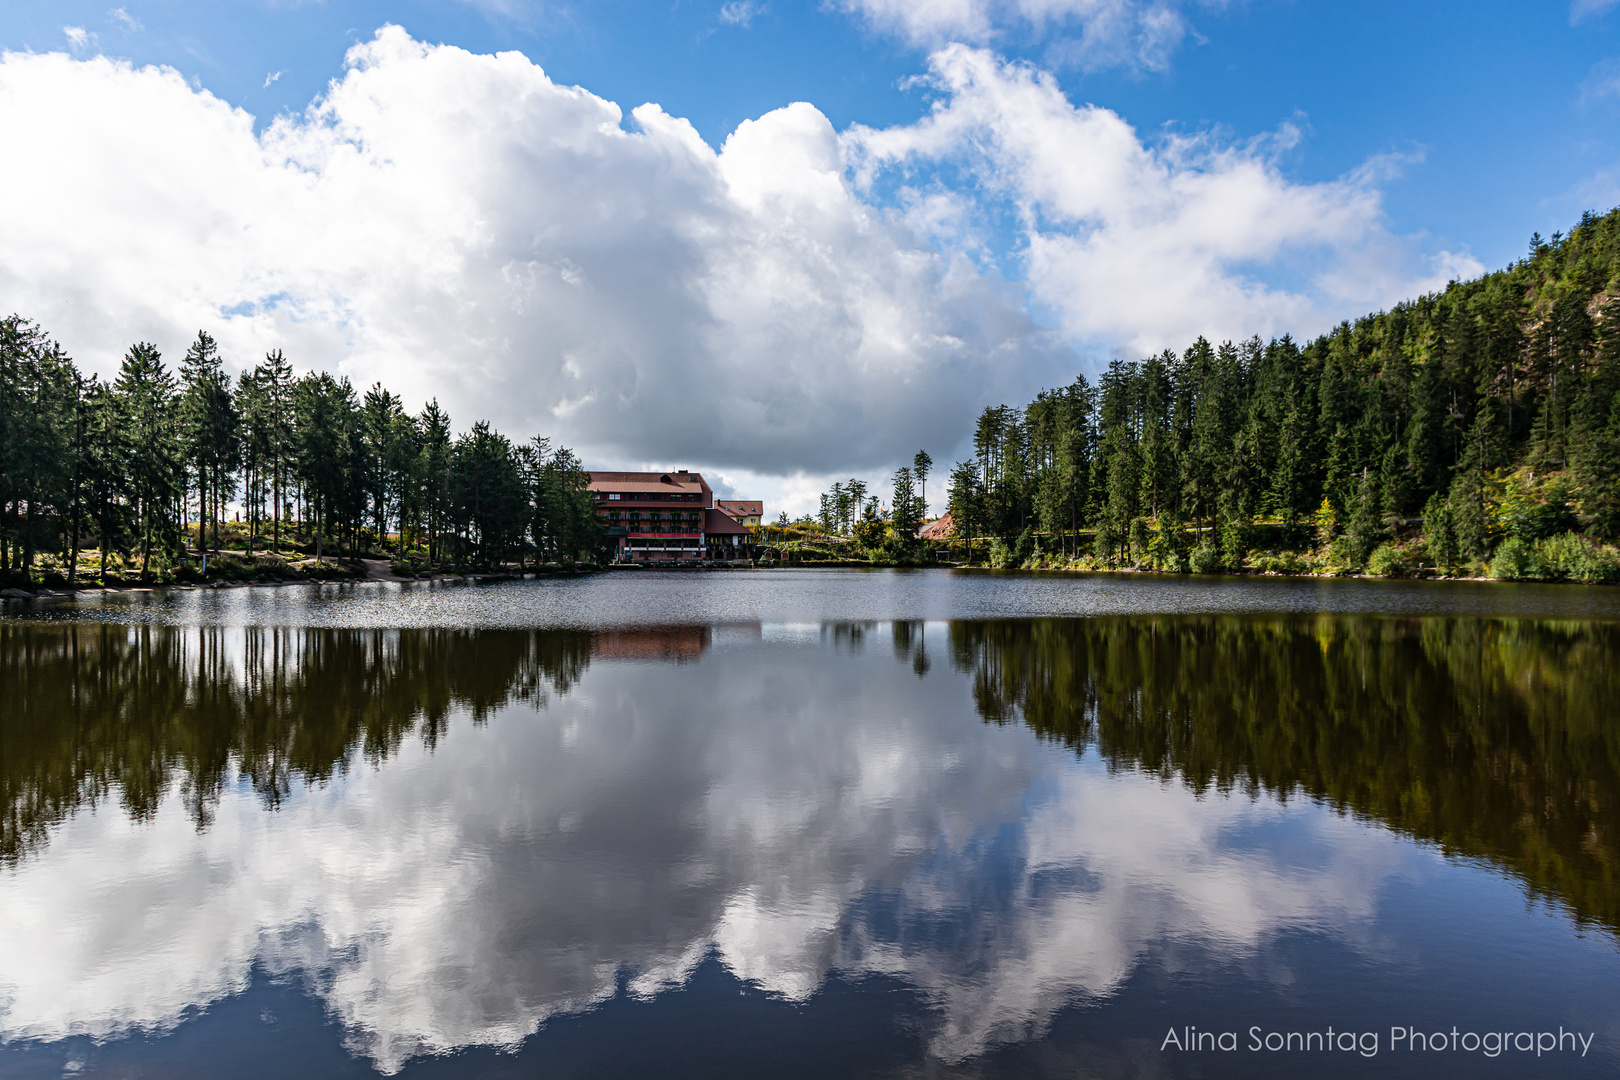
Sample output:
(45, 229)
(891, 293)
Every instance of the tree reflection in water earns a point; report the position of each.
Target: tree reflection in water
(96, 710)
(1492, 738)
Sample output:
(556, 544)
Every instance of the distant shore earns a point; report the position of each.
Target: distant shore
(483, 577)
(353, 578)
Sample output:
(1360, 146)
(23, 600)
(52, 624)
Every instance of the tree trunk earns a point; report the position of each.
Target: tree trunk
(73, 557)
(28, 541)
(146, 544)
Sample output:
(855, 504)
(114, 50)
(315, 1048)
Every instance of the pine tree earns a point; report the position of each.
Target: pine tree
(920, 465)
(1439, 532)
(1470, 511)
(966, 507)
(107, 457)
(275, 378)
(156, 469)
(904, 515)
(209, 427)
(433, 428)
(1600, 476)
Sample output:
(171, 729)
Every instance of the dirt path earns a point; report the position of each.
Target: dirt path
(379, 570)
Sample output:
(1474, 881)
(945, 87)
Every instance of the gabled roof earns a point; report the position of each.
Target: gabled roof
(718, 523)
(629, 482)
(740, 506)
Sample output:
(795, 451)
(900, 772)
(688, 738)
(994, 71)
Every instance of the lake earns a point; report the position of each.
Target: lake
(813, 824)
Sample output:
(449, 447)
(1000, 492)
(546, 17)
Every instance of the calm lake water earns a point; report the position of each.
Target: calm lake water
(813, 824)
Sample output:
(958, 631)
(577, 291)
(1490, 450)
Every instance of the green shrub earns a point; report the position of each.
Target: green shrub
(1515, 560)
(1286, 562)
(1105, 542)
(1569, 556)
(1439, 533)
(1205, 559)
(1602, 564)
(1025, 545)
(1001, 556)
(1341, 555)
(1562, 556)
(1533, 511)
(1237, 534)
(1163, 555)
(1386, 561)
(1141, 538)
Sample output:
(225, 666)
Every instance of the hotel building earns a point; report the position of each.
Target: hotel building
(665, 518)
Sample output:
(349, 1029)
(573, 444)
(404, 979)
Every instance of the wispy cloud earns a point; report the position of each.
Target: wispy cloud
(270, 78)
(1581, 10)
(79, 39)
(125, 19)
(1602, 82)
(739, 12)
(1088, 34)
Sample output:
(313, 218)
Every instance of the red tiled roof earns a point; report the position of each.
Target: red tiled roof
(744, 507)
(626, 483)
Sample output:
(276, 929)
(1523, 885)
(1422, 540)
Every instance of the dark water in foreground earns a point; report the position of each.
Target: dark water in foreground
(812, 824)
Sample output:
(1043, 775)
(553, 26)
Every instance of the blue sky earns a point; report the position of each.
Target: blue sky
(1382, 147)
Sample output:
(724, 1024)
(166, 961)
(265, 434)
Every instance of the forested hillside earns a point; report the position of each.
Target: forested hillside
(148, 464)
(1474, 429)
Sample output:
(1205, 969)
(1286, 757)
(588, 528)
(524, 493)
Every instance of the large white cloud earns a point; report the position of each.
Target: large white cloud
(1140, 246)
(522, 868)
(460, 226)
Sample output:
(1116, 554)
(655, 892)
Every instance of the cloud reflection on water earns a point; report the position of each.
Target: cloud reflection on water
(762, 805)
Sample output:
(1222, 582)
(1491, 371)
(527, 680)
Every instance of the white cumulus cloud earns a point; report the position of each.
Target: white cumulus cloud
(1135, 246)
(461, 226)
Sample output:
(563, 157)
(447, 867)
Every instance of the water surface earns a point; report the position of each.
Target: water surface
(808, 824)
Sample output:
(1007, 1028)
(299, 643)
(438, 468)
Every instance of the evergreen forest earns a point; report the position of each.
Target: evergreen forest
(1471, 431)
(142, 477)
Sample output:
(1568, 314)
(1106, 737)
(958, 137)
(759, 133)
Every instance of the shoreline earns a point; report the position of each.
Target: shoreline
(384, 577)
(17, 594)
